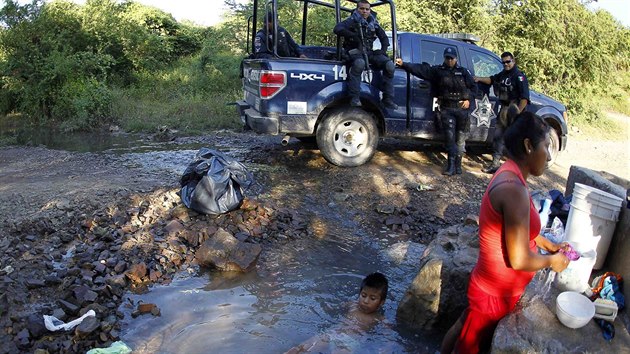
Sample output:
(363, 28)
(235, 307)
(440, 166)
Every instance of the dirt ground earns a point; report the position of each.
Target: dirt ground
(47, 192)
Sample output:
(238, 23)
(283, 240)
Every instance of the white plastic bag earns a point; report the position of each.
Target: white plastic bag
(555, 233)
(54, 324)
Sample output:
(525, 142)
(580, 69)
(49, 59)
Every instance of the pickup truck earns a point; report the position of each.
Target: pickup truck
(306, 98)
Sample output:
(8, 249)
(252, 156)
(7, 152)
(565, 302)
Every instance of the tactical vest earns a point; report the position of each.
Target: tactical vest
(452, 84)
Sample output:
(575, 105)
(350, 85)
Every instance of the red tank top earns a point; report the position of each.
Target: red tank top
(493, 273)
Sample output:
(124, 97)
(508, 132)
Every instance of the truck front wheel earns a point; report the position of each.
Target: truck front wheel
(347, 137)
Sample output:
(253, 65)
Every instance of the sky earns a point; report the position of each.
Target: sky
(208, 12)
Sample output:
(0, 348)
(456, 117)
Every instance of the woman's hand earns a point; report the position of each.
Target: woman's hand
(559, 262)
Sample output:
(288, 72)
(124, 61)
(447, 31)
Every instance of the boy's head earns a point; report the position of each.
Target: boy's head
(373, 292)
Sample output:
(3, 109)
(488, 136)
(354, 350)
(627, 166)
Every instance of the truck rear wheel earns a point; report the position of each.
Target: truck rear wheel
(347, 137)
(554, 146)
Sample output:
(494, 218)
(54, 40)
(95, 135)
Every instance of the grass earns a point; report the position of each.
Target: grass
(186, 96)
(190, 114)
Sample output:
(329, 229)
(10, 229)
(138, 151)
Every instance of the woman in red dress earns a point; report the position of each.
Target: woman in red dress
(509, 228)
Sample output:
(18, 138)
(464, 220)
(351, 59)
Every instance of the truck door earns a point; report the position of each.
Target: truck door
(422, 101)
(484, 113)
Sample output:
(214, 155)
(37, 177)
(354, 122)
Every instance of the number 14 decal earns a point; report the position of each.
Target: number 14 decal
(340, 73)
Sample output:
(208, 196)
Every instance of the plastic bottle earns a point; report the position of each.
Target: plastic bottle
(544, 213)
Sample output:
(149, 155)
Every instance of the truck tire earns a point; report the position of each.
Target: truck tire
(347, 137)
(554, 146)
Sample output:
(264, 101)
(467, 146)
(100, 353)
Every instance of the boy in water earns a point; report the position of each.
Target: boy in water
(362, 316)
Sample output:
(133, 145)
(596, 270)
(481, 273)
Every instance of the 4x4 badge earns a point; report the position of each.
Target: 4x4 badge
(483, 112)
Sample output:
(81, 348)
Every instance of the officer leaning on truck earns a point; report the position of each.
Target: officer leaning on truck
(511, 87)
(455, 87)
(359, 32)
(263, 43)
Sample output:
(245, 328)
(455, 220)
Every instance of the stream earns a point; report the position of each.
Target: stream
(298, 290)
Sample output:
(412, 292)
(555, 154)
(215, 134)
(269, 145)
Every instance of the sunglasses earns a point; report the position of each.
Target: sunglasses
(506, 62)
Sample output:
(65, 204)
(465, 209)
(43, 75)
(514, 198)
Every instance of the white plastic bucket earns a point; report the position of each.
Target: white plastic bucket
(578, 273)
(592, 219)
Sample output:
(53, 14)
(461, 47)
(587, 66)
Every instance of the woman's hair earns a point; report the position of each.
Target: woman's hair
(526, 125)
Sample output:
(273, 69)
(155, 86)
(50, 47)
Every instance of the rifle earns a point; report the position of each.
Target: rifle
(365, 55)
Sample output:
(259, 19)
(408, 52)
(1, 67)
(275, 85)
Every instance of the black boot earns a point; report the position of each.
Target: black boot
(450, 168)
(494, 166)
(458, 164)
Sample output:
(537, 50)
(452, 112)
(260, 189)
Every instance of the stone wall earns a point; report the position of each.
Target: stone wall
(617, 259)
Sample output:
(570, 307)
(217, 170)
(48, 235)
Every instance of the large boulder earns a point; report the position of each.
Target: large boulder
(437, 295)
(534, 328)
(225, 252)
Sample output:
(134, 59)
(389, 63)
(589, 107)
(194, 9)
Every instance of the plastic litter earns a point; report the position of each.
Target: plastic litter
(555, 233)
(116, 348)
(54, 324)
(213, 183)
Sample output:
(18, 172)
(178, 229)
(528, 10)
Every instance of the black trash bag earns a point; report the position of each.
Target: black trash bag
(213, 183)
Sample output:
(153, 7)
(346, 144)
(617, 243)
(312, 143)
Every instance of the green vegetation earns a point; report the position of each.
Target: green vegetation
(80, 67)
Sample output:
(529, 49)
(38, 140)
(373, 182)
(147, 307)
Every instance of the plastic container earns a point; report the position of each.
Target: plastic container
(606, 309)
(577, 274)
(573, 309)
(592, 219)
(544, 213)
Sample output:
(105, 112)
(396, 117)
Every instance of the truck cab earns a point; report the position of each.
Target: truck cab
(306, 98)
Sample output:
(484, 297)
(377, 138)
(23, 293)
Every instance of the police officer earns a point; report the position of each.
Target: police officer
(511, 87)
(263, 43)
(454, 87)
(359, 32)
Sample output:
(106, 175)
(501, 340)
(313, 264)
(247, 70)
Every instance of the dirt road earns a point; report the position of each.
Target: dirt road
(49, 199)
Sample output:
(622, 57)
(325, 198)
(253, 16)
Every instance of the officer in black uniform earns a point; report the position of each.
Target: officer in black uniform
(512, 89)
(454, 87)
(359, 32)
(263, 43)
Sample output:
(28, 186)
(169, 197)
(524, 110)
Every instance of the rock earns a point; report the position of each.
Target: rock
(34, 283)
(35, 326)
(120, 267)
(69, 307)
(60, 314)
(87, 326)
(437, 295)
(534, 328)
(174, 227)
(472, 219)
(83, 294)
(117, 280)
(137, 272)
(223, 251)
(146, 308)
(420, 304)
(23, 338)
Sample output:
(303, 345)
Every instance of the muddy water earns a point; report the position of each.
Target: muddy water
(299, 290)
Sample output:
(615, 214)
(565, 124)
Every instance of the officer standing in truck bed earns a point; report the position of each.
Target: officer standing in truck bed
(511, 86)
(454, 87)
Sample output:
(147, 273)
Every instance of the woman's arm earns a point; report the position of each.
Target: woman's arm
(548, 245)
(512, 200)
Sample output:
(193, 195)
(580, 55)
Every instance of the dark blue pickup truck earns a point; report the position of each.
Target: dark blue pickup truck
(306, 98)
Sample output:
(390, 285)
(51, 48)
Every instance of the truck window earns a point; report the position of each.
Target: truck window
(432, 52)
(484, 65)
